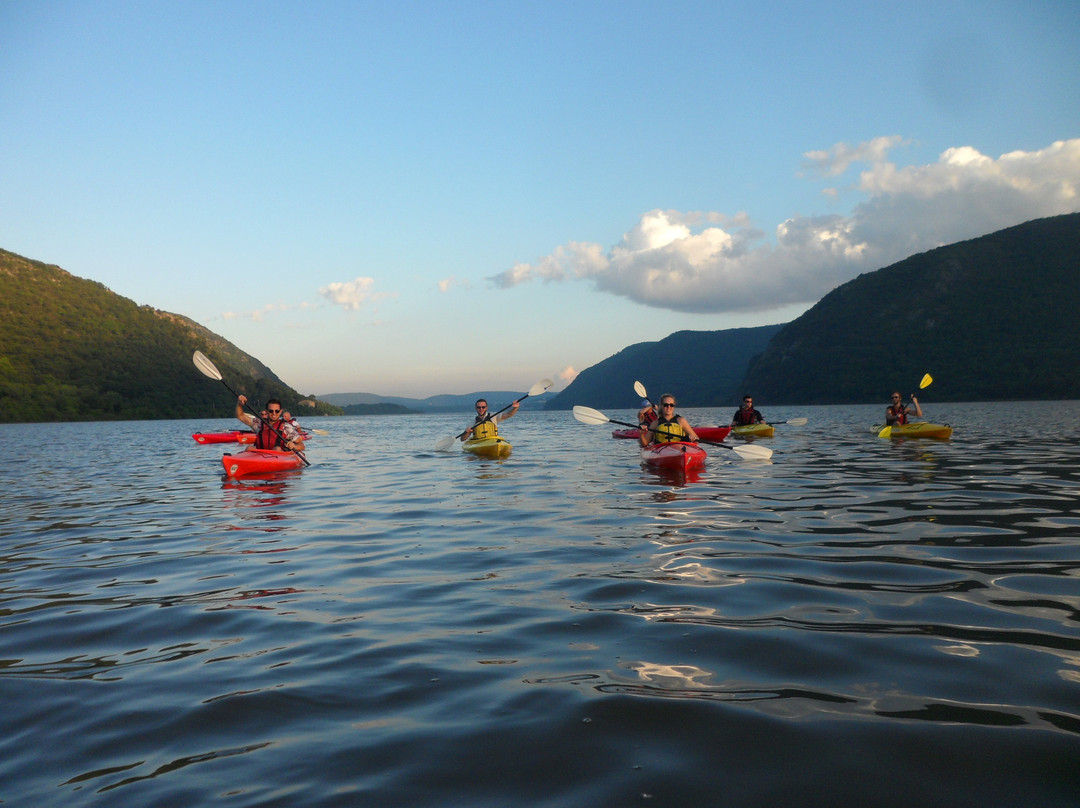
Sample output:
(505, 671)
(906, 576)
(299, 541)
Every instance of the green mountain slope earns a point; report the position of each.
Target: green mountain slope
(993, 318)
(702, 369)
(72, 350)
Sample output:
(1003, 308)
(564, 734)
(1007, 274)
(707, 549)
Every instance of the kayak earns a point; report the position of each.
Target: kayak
(236, 436)
(487, 447)
(919, 429)
(753, 431)
(675, 455)
(259, 461)
(712, 432)
(716, 433)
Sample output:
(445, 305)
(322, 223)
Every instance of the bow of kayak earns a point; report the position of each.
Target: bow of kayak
(753, 431)
(259, 461)
(675, 455)
(919, 429)
(487, 447)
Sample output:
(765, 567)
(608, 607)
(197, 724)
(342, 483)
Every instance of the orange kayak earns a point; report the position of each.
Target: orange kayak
(259, 461)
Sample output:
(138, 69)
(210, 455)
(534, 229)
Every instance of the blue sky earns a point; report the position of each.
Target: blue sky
(414, 198)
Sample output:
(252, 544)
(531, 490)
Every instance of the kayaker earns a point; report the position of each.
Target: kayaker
(669, 425)
(647, 414)
(746, 414)
(486, 424)
(271, 432)
(896, 414)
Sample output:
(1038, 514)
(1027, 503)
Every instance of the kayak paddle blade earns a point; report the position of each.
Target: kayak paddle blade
(796, 422)
(587, 415)
(540, 387)
(886, 432)
(750, 451)
(926, 379)
(639, 388)
(205, 366)
(445, 443)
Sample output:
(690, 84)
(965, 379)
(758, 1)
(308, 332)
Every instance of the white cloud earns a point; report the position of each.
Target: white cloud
(708, 262)
(447, 283)
(352, 295)
(567, 375)
(835, 161)
(257, 314)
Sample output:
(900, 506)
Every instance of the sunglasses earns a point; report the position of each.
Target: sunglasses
(274, 411)
(668, 404)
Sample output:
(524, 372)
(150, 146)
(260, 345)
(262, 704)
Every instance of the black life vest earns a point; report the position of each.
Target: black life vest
(744, 417)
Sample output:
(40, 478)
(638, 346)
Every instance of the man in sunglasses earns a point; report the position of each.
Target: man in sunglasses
(485, 425)
(896, 414)
(670, 426)
(746, 414)
(271, 432)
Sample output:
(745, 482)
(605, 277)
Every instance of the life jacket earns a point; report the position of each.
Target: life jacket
(650, 415)
(899, 412)
(745, 417)
(668, 431)
(485, 427)
(267, 437)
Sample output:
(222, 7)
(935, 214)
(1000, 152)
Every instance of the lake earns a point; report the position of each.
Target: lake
(858, 621)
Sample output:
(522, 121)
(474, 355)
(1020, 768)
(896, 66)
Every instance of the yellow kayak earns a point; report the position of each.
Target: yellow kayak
(919, 429)
(754, 431)
(487, 447)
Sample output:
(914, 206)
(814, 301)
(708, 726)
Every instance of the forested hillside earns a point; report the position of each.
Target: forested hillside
(702, 368)
(72, 350)
(993, 318)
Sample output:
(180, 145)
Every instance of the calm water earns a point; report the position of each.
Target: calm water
(857, 622)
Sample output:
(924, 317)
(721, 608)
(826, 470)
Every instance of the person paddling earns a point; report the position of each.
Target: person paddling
(896, 414)
(486, 425)
(669, 426)
(647, 414)
(746, 414)
(271, 432)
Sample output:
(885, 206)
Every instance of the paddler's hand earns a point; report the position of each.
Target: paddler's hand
(241, 400)
(914, 400)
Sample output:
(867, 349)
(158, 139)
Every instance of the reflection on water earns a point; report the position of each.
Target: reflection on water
(860, 620)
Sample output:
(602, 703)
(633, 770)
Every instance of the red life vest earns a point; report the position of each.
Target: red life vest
(267, 437)
(744, 417)
(899, 412)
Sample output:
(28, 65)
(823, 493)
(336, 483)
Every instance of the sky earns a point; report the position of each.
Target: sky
(416, 198)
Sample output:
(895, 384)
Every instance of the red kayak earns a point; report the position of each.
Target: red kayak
(259, 461)
(236, 436)
(716, 433)
(675, 455)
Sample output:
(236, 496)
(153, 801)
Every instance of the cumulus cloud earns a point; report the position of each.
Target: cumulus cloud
(567, 375)
(710, 263)
(446, 283)
(352, 295)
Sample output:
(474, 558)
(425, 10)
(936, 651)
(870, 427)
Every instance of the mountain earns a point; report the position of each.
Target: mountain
(72, 350)
(441, 403)
(702, 369)
(991, 319)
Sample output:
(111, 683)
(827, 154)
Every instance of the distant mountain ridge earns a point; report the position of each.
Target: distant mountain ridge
(445, 402)
(701, 368)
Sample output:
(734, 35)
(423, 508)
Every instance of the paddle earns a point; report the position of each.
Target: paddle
(207, 368)
(639, 388)
(538, 388)
(886, 431)
(750, 451)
